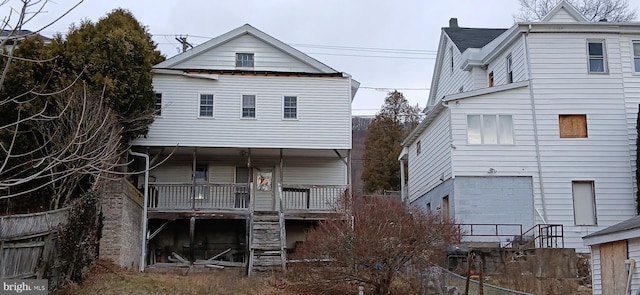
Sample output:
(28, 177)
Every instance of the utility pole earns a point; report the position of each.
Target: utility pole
(185, 44)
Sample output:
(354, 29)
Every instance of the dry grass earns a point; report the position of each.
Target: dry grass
(108, 279)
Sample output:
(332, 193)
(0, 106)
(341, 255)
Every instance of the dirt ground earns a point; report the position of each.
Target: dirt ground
(108, 279)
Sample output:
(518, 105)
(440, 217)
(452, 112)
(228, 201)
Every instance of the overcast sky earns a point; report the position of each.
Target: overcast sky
(352, 36)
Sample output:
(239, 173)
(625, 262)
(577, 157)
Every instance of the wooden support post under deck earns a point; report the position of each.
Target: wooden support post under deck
(193, 176)
(192, 229)
(349, 172)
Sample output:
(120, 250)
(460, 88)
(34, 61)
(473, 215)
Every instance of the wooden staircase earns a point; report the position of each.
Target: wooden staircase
(267, 247)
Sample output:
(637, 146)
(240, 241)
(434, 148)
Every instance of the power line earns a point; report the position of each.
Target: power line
(375, 56)
(393, 88)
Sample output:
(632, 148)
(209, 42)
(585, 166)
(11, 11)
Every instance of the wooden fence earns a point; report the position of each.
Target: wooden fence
(26, 240)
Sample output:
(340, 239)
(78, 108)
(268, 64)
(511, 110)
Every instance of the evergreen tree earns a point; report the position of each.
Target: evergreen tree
(383, 144)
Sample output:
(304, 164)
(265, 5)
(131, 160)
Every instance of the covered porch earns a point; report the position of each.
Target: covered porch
(243, 180)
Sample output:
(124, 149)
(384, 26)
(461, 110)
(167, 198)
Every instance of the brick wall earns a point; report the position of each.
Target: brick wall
(122, 217)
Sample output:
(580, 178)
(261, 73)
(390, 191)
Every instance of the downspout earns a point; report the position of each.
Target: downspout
(446, 105)
(543, 216)
(144, 207)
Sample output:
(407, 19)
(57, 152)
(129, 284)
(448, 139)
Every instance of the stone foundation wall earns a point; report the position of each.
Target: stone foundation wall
(121, 240)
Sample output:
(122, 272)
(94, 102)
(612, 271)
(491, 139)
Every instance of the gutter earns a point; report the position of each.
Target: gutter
(144, 207)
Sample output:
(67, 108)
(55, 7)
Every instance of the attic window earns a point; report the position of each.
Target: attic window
(509, 63)
(244, 60)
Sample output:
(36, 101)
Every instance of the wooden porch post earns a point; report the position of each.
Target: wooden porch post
(349, 176)
(192, 229)
(249, 181)
(193, 178)
(281, 181)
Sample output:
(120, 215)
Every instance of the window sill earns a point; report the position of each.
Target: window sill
(206, 118)
(249, 118)
(289, 119)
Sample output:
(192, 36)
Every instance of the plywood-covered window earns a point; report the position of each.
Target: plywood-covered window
(584, 203)
(573, 126)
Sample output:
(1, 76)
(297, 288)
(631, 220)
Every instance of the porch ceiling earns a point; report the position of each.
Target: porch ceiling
(243, 152)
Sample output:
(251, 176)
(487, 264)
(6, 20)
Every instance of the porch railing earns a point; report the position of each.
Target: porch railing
(312, 197)
(186, 196)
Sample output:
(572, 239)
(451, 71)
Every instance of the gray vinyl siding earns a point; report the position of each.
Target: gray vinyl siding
(494, 200)
(266, 57)
(433, 164)
(562, 85)
(172, 171)
(323, 110)
(324, 171)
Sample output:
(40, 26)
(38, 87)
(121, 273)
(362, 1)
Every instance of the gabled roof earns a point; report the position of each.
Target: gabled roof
(465, 38)
(245, 29)
(570, 9)
(627, 229)
(20, 34)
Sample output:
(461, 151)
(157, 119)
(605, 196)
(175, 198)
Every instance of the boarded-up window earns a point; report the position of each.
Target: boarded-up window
(584, 203)
(573, 126)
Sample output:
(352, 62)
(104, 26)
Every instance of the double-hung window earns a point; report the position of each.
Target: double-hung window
(248, 106)
(158, 104)
(206, 105)
(489, 129)
(597, 56)
(636, 55)
(244, 60)
(509, 63)
(290, 107)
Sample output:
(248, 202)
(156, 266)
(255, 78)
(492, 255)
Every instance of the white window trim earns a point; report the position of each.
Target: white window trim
(235, 61)
(297, 107)
(255, 107)
(633, 57)
(509, 68)
(513, 135)
(605, 62)
(213, 112)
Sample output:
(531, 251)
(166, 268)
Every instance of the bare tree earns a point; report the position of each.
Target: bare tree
(382, 243)
(593, 10)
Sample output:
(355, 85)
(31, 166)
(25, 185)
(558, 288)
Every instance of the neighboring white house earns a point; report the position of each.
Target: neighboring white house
(535, 124)
(263, 137)
(615, 253)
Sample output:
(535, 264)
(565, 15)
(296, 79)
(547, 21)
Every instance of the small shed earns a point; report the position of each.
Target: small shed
(614, 253)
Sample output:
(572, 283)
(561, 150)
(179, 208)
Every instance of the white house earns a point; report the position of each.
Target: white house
(615, 253)
(531, 125)
(259, 138)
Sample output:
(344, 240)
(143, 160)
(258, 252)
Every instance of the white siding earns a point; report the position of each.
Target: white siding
(596, 273)
(631, 84)
(433, 165)
(324, 171)
(450, 82)
(563, 86)
(562, 16)
(480, 78)
(324, 113)
(301, 171)
(634, 253)
(266, 57)
(518, 64)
